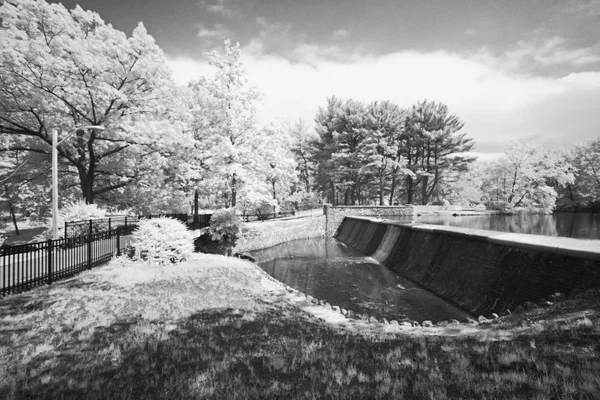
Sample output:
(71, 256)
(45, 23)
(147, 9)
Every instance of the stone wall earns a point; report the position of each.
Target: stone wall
(261, 235)
(481, 271)
(335, 215)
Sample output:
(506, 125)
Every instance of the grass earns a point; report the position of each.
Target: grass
(215, 327)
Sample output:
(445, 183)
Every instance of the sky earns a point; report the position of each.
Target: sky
(511, 69)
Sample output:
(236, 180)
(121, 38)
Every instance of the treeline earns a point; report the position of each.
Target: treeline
(380, 153)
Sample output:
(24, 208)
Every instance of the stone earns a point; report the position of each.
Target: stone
(482, 319)
(373, 319)
(343, 311)
(427, 324)
(406, 324)
(315, 301)
(394, 322)
(416, 324)
(530, 306)
(518, 310)
(453, 322)
(327, 305)
(364, 317)
(336, 309)
(309, 297)
(557, 297)
(350, 314)
(496, 316)
(385, 321)
(545, 303)
(471, 321)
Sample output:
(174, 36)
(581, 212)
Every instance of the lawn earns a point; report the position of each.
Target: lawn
(217, 327)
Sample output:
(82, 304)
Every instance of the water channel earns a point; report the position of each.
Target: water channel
(329, 270)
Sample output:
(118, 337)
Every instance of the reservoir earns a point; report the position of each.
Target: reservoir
(329, 270)
(574, 225)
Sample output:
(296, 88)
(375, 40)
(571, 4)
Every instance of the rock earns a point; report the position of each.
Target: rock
(545, 303)
(373, 319)
(385, 321)
(530, 306)
(406, 324)
(343, 311)
(336, 309)
(471, 321)
(364, 317)
(327, 305)
(518, 310)
(394, 322)
(427, 324)
(557, 297)
(453, 322)
(482, 319)
(496, 316)
(309, 297)
(315, 301)
(350, 314)
(416, 324)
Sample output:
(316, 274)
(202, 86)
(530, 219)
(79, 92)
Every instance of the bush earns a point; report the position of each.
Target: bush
(76, 211)
(225, 227)
(162, 240)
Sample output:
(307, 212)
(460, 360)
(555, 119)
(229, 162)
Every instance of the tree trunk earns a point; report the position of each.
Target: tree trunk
(409, 189)
(392, 190)
(14, 218)
(424, 197)
(381, 189)
(233, 190)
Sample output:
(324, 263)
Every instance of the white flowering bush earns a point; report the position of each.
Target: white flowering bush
(161, 240)
(225, 228)
(77, 211)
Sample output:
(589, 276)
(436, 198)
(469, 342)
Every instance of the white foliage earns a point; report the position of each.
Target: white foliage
(162, 240)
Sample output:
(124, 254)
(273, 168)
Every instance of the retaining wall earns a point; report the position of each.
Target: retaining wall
(481, 271)
(335, 215)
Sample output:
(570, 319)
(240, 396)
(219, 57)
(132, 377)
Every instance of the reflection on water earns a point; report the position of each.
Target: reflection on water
(329, 270)
(574, 225)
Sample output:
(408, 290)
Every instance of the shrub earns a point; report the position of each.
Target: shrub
(225, 227)
(162, 240)
(76, 211)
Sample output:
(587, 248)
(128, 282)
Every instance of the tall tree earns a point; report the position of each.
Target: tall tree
(436, 146)
(225, 120)
(63, 69)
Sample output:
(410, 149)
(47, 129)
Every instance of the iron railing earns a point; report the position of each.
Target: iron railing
(27, 266)
(91, 226)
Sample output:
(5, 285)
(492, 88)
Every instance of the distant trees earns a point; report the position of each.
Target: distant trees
(365, 150)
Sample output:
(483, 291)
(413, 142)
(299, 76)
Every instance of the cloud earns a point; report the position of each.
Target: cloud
(496, 104)
(221, 7)
(340, 34)
(218, 32)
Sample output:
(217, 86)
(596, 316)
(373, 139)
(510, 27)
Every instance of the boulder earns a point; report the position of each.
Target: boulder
(373, 319)
(427, 324)
(530, 306)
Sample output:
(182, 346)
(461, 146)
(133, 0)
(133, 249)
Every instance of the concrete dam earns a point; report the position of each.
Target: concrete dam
(482, 272)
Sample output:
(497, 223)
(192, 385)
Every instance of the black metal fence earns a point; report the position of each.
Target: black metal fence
(34, 264)
(91, 226)
(264, 217)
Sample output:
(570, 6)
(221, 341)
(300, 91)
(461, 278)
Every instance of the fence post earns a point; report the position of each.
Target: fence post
(109, 224)
(91, 227)
(118, 242)
(66, 225)
(125, 221)
(89, 243)
(49, 244)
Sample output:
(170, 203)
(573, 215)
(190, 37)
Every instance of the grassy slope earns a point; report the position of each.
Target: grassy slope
(217, 328)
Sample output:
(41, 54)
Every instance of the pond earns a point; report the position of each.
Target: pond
(329, 270)
(573, 225)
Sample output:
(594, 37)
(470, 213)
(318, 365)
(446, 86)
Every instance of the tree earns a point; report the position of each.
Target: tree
(586, 160)
(527, 176)
(224, 121)
(434, 147)
(302, 139)
(62, 69)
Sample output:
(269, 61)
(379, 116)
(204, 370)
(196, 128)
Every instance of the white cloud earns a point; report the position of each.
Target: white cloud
(221, 7)
(218, 32)
(495, 104)
(340, 34)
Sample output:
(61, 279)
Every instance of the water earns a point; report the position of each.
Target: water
(573, 225)
(331, 271)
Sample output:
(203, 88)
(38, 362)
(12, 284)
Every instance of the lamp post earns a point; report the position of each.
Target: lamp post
(55, 144)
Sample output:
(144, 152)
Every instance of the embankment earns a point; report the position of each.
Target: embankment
(481, 271)
(260, 235)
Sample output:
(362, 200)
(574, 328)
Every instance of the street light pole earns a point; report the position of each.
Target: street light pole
(55, 144)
